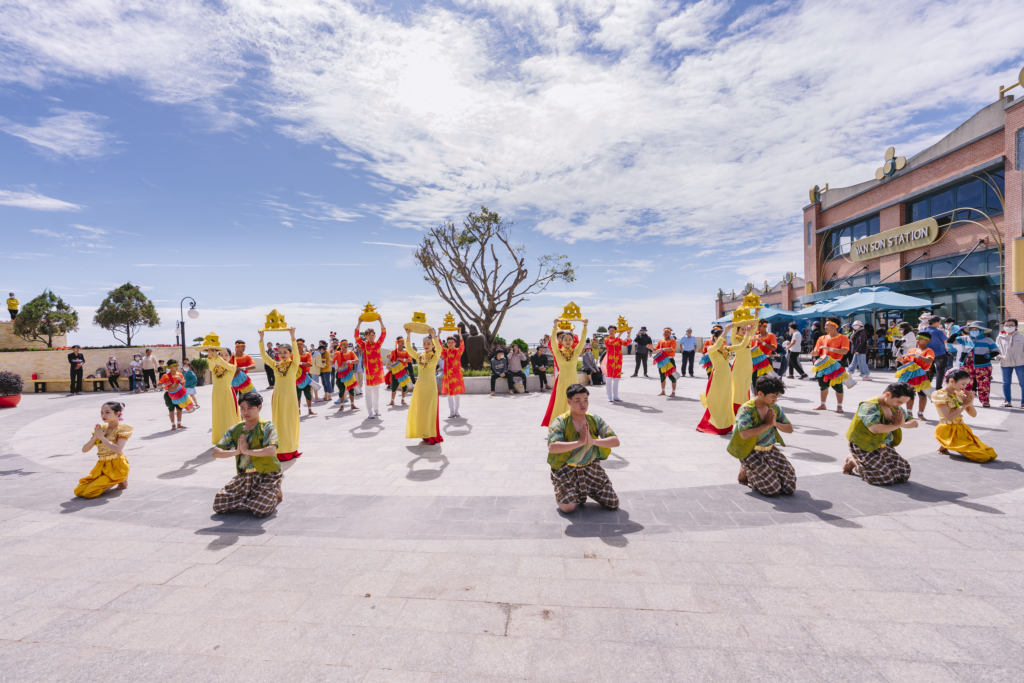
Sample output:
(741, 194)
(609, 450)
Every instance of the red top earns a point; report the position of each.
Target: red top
(402, 357)
(342, 361)
(836, 347)
(452, 382)
(767, 342)
(170, 379)
(668, 344)
(243, 363)
(613, 355)
(372, 363)
(924, 357)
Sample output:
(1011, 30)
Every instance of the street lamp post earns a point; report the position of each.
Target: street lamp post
(192, 313)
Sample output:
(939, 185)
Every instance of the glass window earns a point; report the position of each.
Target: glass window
(874, 277)
(810, 234)
(970, 196)
(993, 314)
(942, 305)
(918, 271)
(918, 211)
(860, 230)
(993, 262)
(972, 265)
(942, 268)
(940, 204)
(874, 225)
(993, 203)
(966, 306)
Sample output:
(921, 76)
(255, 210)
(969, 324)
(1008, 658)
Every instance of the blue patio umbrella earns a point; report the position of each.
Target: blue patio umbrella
(772, 315)
(874, 299)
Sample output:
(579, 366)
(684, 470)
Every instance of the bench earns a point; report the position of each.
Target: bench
(97, 383)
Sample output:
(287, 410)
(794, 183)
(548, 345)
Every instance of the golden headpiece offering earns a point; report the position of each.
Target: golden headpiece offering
(565, 326)
(418, 324)
(622, 325)
(743, 315)
(752, 301)
(211, 341)
(275, 321)
(571, 312)
(448, 324)
(369, 313)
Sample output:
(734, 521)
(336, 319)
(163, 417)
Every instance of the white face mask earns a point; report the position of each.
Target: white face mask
(1009, 329)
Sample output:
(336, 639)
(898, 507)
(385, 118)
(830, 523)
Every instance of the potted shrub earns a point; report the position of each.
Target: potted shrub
(200, 366)
(10, 389)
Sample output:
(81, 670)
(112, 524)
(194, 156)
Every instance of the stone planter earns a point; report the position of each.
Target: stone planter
(10, 401)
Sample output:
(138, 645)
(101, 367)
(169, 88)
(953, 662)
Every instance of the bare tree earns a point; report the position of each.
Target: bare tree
(466, 267)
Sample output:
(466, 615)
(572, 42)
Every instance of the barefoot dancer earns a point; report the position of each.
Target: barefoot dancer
(176, 398)
(109, 439)
(756, 438)
(285, 404)
(256, 486)
(399, 364)
(952, 433)
(422, 420)
(345, 365)
(304, 382)
(667, 346)
(915, 370)
(577, 440)
(566, 357)
(874, 433)
(829, 350)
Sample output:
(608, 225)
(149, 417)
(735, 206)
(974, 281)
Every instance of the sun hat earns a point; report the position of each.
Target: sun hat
(978, 324)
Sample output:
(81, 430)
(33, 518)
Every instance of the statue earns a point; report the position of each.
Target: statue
(465, 356)
(476, 348)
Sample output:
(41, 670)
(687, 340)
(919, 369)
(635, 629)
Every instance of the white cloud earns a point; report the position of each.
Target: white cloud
(34, 200)
(75, 134)
(392, 244)
(639, 263)
(605, 120)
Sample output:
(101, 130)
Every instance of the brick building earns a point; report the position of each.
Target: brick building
(944, 225)
(785, 295)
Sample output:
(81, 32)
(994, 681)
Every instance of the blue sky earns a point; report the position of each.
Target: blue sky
(279, 154)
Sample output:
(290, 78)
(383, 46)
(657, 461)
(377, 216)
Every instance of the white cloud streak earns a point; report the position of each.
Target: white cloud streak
(74, 134)
(34, 200)
(392, 244)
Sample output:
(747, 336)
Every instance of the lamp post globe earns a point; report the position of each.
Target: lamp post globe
(192, 313)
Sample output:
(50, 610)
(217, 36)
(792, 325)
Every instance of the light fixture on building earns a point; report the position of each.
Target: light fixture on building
(1020, 82)
(892, 164)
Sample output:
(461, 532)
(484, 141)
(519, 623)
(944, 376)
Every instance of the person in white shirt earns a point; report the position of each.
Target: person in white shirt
(793, 347)
(1011, 360)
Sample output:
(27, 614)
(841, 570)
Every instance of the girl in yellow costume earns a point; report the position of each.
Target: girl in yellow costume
(285, 405)
(565, 364)
(111, 466)
(225, 410)
(422, 421)
(952, 401)
(742, 367)
(719, 416)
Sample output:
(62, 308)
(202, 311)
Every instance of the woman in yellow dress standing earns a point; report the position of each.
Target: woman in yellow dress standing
(566, 357)
(285, 406)
(742, 367)
(952, 433)
(719, 416)
(422, 420)
(111, 467)
(225, 410)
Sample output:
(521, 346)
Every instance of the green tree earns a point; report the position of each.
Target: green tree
(45, 317)
(481, 273)
(602, 329)
(126, 310)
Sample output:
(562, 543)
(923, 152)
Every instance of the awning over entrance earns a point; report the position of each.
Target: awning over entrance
(867, 299)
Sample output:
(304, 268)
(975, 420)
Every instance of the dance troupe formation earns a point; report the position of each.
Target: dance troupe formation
(741, 399)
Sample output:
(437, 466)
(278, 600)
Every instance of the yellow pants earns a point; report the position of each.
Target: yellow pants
(959, 437)
(107, 473)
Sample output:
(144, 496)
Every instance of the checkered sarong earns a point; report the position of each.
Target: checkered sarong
(882, 467)
(574, 484)
(769, 472)
(252, 491)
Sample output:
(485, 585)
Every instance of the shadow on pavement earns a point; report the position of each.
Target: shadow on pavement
(190, 467)
(234, 525)
(637, 406)
(76, 504)
(429, 473)
(367, 429)
(802, 502)
(592, 520)
(924, 493)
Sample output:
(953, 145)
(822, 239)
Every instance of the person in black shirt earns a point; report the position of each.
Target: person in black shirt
(642, 340)
(539, 363)
(76, 360)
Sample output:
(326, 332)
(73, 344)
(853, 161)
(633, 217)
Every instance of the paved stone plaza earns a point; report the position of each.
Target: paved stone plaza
(394, 562)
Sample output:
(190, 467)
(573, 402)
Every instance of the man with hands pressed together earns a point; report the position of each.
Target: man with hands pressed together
(253, 444)
(577, 440)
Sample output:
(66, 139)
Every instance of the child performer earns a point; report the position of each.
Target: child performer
(243, 362)
(952, 401)
(577, 440)
(664, 358)
(612, 364)
(256, 486)
(285, 404)
(761, 349)
(914, 369)
(763, 467)
(422, 420)
(303, 382)
(452, 382)
(829, 350)
(719, 415)
(874, 433)
(566, 357)
(109, 439)
(176, 398)
(742, 366)
(399, 364)
(345, 363)
(225, 410)
(191, 381)
(373, 365)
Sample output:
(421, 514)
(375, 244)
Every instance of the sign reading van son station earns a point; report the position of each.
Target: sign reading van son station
(910, 236)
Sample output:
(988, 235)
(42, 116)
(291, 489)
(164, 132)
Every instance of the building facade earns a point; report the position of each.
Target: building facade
(785, 295)
(944, 225)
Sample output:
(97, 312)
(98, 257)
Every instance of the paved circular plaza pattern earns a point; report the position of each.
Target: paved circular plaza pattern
(393, 561)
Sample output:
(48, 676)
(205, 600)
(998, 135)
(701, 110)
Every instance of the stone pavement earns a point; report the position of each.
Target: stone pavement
(394, 562)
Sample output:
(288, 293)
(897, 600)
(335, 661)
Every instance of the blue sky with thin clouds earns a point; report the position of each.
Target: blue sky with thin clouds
(280, 154)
